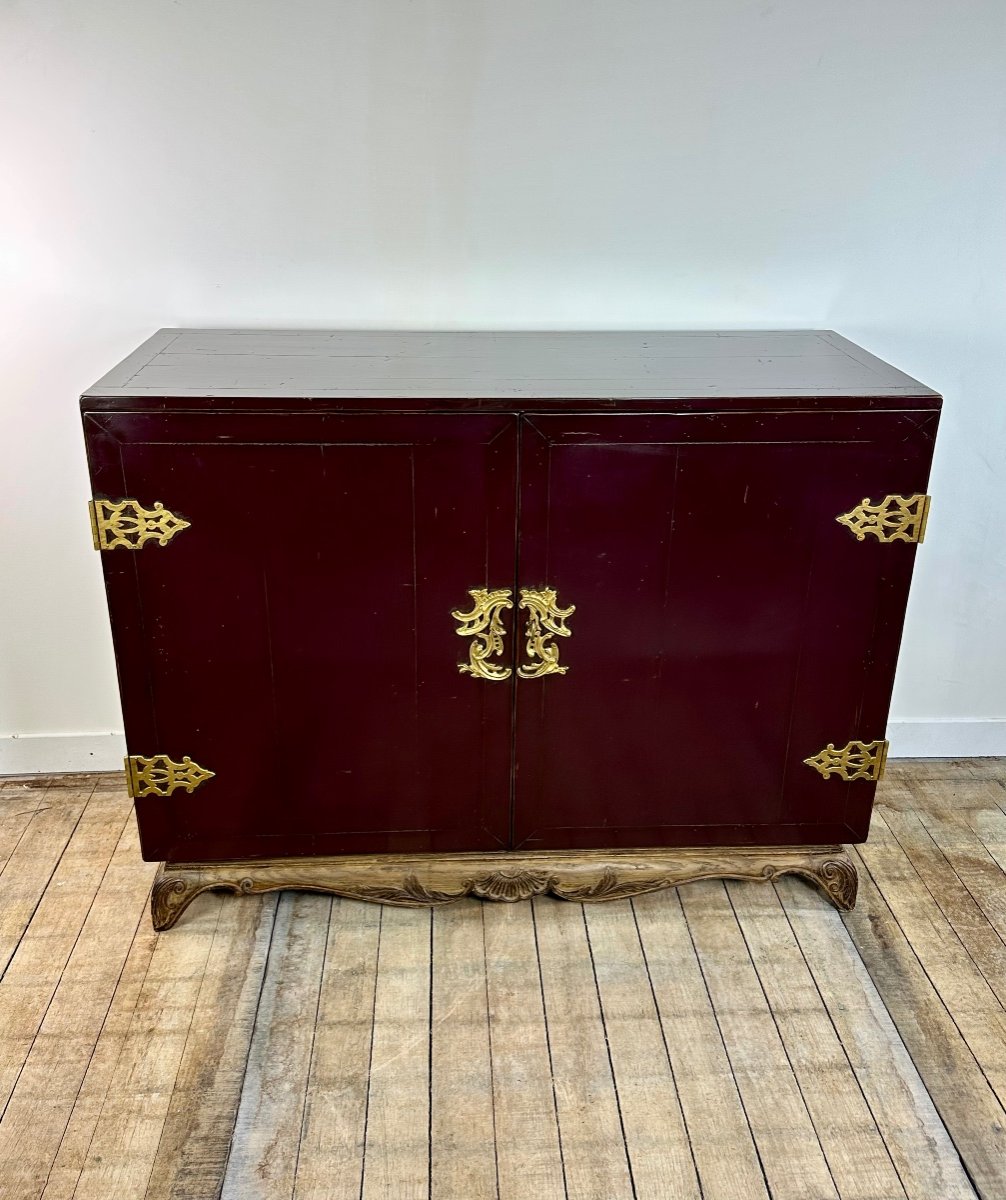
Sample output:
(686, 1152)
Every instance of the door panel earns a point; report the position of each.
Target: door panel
(726, 626)
(297, 638)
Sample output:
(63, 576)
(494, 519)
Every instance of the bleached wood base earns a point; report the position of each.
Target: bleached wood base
(432, 879)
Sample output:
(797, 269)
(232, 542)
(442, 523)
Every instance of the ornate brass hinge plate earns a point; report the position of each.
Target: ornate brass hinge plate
(159, 776)
(127, 524)
(857, 760)
(894, 519)
(545, 620)
(484, 625)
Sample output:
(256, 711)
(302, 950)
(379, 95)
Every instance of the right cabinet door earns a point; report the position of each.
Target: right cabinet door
(726, 625)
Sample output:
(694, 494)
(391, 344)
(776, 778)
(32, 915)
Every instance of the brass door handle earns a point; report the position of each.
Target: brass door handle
(484, 625)
(545, 621)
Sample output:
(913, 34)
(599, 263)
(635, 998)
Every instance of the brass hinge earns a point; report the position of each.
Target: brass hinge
(127, 524)
(159, 776)
(894, 519)
(857, 760)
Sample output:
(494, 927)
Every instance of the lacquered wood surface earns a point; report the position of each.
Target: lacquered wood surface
(247, 368)
(297, 638)
(346, 490)
(726, 626)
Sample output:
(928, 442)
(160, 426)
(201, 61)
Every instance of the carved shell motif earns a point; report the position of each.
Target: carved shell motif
(510, 886)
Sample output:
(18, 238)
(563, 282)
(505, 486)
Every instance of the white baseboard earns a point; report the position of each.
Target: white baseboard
(45, 753)
(50, 753)
(947, 738)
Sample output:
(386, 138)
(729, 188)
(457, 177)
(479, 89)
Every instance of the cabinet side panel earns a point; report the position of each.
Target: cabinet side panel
(125, 608)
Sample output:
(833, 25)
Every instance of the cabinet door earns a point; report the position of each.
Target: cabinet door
(726, 626)
(297, 638)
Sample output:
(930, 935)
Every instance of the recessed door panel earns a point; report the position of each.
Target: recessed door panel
(726, 626)
(297, 638)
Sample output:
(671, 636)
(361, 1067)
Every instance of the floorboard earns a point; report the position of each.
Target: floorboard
(657, 1140)
(396, 1155)
(589, 1111)
(730, 1041)
(270, 1115)
(528, 1149)
(726, 1158)
(858, 1158)
(916, 1139)
(788, 1143)
(330, 1160)
(195, 1140)
(462, 1118)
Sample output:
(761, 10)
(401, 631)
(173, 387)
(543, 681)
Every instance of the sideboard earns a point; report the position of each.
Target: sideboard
(414, 616)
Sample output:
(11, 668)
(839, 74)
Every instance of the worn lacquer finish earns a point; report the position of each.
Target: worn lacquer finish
(297, 639)
(726, 628)
(256, 369)
(497, 593)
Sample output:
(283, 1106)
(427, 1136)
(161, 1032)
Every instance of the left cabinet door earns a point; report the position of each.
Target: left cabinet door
(297, 638)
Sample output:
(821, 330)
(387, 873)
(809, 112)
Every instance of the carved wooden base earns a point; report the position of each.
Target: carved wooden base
(429, 879)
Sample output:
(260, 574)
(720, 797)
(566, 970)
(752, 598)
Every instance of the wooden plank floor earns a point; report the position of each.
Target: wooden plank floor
(722, 1042)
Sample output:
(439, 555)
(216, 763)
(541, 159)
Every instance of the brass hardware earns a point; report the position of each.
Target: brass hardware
(128, 524)
(485, 626)
(159, 776)
(545, 620)
(857, 760)
(894, 519)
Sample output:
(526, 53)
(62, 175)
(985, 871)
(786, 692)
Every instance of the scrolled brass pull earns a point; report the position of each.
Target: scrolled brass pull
(484, 625)
(545, 620)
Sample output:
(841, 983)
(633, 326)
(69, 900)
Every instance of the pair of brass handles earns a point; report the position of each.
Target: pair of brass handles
(484, 625)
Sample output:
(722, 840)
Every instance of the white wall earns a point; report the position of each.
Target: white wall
(510, 163)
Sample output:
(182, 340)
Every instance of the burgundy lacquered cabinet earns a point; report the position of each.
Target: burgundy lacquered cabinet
(408, 617)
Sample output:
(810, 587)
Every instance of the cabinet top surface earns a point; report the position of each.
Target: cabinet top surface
(231, 367)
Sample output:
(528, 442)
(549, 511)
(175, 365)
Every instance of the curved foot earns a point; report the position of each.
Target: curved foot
(171, 895)
(836, 877)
